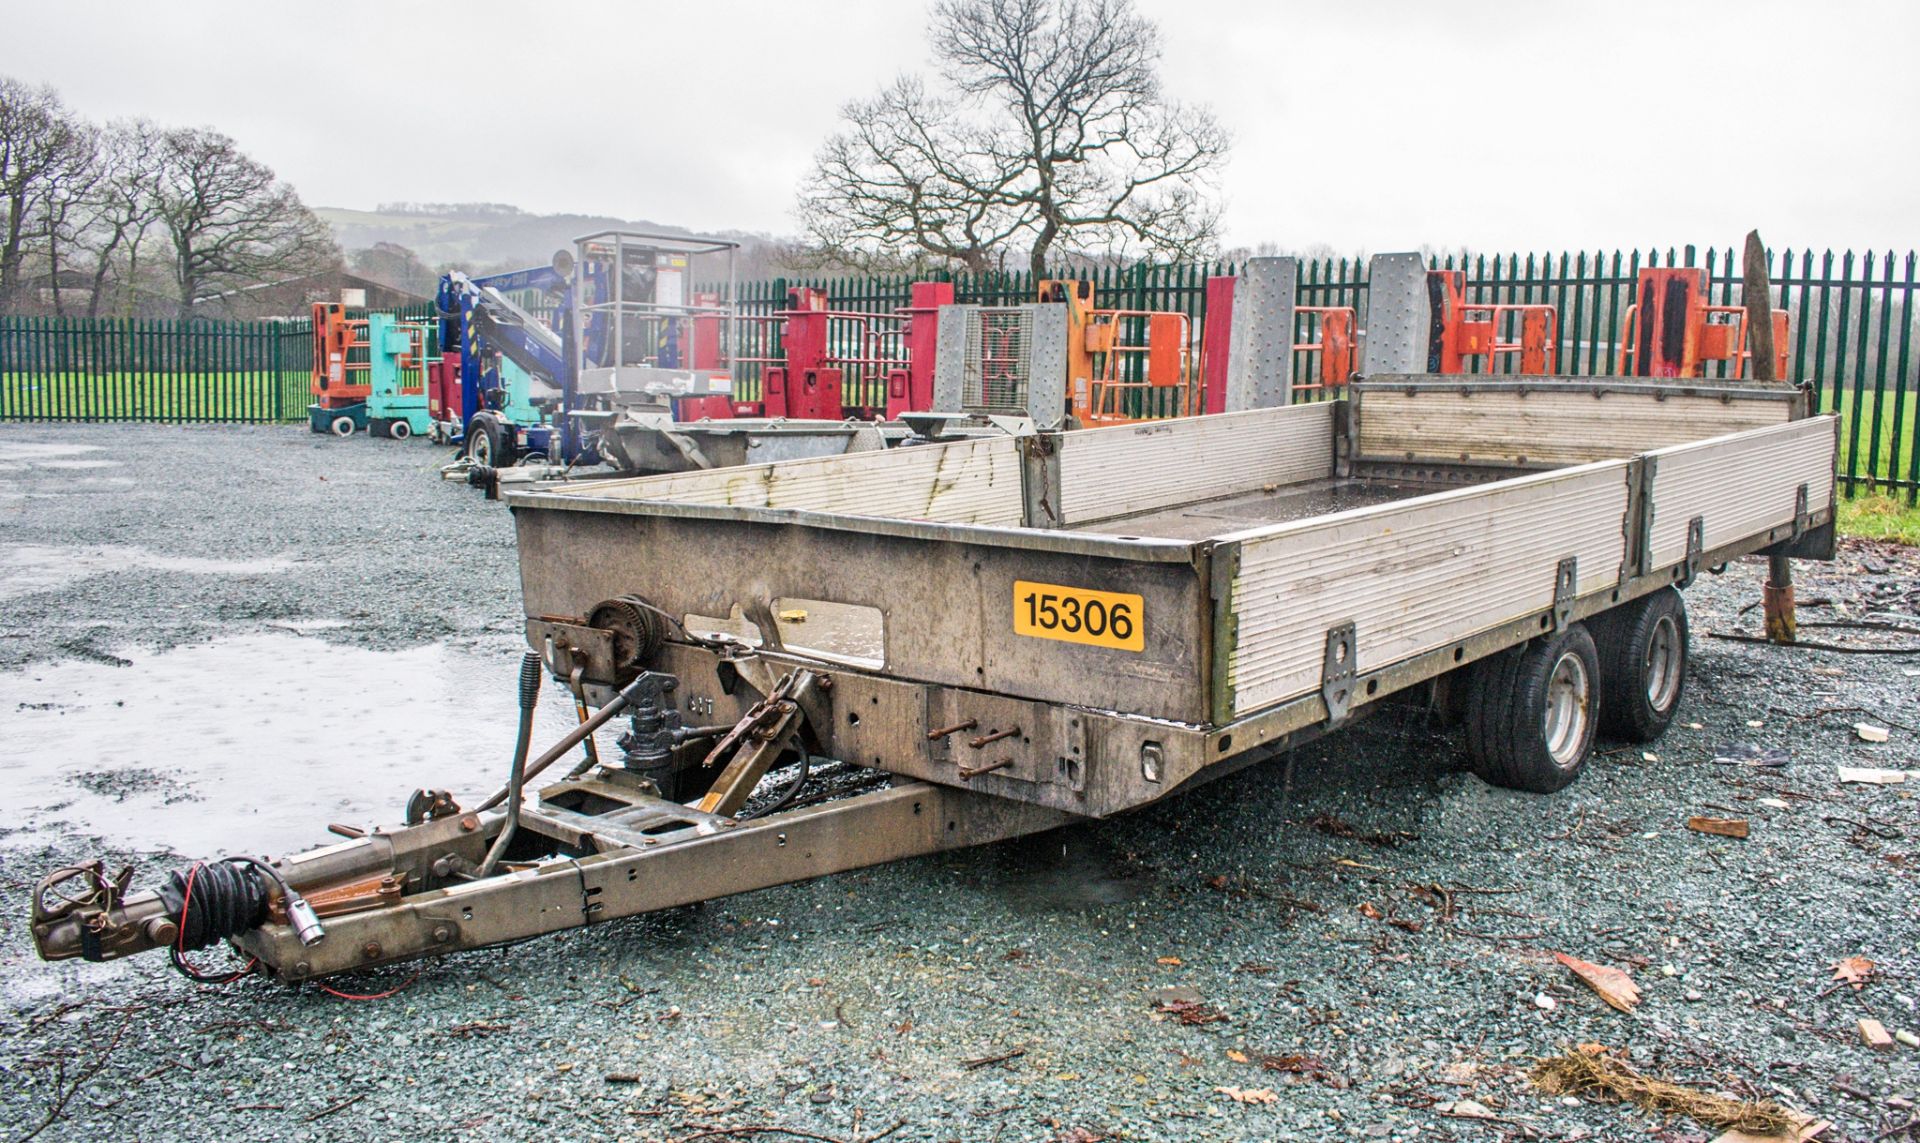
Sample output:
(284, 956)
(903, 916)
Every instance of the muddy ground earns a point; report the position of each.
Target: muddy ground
(221, 639)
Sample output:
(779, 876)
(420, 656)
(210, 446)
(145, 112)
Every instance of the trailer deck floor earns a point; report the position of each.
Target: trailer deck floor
(1251, 510)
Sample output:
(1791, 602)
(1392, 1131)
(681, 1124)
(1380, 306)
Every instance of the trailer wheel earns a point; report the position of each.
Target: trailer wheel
(399, 430)
(1643, 665)
(1532, 712)
(487, 442)
(342, 426)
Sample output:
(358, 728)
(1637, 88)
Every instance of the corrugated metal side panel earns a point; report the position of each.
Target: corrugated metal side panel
(1417, 575)
(1741, 484)
(960, 482)
(1119, 471)
(1545, 427)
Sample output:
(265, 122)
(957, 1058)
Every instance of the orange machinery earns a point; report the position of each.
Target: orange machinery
(1461, 330)
(1671, 331)
(341, 361)
(1111, 353)
(1333, 339)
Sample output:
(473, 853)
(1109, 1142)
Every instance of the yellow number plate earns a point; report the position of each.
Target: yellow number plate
(1079, 615)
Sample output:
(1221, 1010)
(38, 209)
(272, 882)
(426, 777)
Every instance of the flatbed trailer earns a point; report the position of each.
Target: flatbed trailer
(1000, 635)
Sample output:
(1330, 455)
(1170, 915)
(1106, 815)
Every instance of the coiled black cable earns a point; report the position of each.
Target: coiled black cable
(215, 900)
(211, 901)
(530, 677)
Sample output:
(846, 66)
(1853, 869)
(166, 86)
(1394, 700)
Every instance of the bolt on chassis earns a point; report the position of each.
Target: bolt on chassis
(829, 663)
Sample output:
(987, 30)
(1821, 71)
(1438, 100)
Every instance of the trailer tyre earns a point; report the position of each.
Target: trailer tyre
(342, 426)
(1643, 665)
(487, 442)
(399, 430)
(1532, 713)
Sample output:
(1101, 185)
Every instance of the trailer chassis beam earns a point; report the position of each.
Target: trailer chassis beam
(680, 867)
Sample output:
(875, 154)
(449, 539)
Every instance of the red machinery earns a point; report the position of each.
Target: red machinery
(839, 364)
(1671, 331)
(700, 348)
(443, 388)
(1461, 330)
(910, 388)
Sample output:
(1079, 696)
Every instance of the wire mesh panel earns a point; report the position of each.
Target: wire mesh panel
(999, 342)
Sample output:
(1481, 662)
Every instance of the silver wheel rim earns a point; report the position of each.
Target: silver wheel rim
(1569, 704)
(482, 448)
(1663, 664)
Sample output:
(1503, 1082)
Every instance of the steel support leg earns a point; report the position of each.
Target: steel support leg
(1777, 601)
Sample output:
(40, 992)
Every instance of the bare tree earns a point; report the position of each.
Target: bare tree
(122, 208)
(908, 175)
(1055, 133)
(231, 221)
(63, 212)
(39, 141)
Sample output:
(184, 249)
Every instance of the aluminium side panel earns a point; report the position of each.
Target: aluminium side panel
(1128, 469)
(1047, 364)
(1260, 340)
(951, 361)
(1414, 576)
(1547, 424)
(1398, 315)
(1739, 485)
(968, 481)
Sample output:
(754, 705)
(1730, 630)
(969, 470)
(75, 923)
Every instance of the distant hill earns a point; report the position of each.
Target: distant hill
(488, 237)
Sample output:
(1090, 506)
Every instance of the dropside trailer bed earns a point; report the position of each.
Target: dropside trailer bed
(999, 635)
(1421, 523)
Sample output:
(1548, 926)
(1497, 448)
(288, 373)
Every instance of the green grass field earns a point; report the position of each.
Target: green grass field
(1877, 517)
(156, 397)
(1874, 457)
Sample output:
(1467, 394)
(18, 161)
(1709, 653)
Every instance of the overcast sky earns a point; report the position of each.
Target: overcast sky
(1500, 125)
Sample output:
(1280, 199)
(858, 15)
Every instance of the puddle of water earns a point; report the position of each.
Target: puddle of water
(22, 450)
(28, 568)
(254, 744)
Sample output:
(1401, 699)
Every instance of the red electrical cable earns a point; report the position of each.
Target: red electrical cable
(403, 985)
(180, 960)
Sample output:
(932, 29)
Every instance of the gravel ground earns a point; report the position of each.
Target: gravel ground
(1377, 932)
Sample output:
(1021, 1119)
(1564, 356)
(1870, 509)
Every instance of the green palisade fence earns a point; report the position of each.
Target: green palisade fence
(1852, 338)
(1851, 334)
(82, 369)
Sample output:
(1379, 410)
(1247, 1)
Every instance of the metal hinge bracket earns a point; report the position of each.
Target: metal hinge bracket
(1802, 519)
(1566, 584)
(1337, 672)
(1696, 546)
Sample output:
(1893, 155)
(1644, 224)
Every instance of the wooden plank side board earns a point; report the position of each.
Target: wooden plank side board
(1538, 427)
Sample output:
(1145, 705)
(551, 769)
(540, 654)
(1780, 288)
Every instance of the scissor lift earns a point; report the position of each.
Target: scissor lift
(340, 383)
(401, 358)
